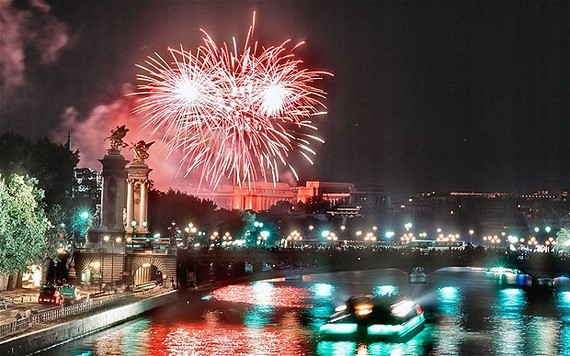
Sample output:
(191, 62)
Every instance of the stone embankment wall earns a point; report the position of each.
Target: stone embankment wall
(39, 340)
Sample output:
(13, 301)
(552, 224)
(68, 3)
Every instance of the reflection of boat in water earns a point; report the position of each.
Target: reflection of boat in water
(366, 317)
(418, 275)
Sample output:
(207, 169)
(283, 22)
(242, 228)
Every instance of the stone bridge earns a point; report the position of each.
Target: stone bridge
(224, 264)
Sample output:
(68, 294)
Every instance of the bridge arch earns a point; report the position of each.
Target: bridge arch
(145, 268)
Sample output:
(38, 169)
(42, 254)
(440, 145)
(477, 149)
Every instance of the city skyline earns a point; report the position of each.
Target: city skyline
(426, 96)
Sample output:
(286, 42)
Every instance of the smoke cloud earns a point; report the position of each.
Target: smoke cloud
(88, 135)
(27, 31)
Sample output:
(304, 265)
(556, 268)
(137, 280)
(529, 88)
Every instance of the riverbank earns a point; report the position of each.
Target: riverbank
(74, 327)
(44, 336)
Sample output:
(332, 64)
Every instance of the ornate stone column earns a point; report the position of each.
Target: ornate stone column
(137, 196)
(110, 214)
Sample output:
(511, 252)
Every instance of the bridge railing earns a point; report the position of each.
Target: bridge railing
(50, 315)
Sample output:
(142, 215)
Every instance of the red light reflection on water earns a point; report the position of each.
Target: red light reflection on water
(214, 337)
(263, 294)
(270, 333)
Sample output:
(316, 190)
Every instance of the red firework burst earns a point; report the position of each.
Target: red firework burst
(234, 114)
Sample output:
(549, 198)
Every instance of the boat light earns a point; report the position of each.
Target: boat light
(363, 309)
(340, 328)
(402, 308)
(340, 308)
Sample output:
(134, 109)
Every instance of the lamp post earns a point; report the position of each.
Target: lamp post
(133, 225)
(101, 261)
(471, 232)
(97, 266)
(55, 271)
(106, 238)
(117, 240)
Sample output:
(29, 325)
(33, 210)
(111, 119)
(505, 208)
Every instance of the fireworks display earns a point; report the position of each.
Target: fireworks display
(232, 113)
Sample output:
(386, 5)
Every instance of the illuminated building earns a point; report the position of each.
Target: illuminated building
(261, 196)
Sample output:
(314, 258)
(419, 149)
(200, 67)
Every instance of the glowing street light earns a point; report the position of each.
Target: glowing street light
(134, 225)
(370, 237)
(512, 239)
(293, 236)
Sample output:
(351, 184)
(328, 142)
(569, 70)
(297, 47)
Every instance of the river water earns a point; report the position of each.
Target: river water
(467, 312)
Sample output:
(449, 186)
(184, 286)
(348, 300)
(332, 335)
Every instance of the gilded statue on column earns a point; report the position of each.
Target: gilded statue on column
(116, 138)
(140, 150)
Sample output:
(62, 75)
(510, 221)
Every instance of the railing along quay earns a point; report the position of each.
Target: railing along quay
(50, 315)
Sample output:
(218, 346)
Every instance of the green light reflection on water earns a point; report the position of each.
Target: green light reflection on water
(258, 316)
(322, 291)
(336, 348)
(563, 304)
(508, 321)
(449, 299)
(449, 334)
(318, 315)
(414, 346)
(541, 336)
(386, 290)
(139, 327)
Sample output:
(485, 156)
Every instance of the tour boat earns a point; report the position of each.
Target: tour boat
(372, 318)
(418, 275)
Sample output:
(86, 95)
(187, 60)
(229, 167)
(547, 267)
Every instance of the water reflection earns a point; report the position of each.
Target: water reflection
(421, 344)
(563, 304)
(507, 319)
(467, 313)
(449, 301)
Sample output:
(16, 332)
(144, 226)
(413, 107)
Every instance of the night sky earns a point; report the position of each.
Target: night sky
(426, 96)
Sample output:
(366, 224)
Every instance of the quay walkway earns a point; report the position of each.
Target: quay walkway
(20, 311)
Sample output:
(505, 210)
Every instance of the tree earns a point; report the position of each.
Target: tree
(182, 208)
(24, 226)
(563, 239)
(316, 205)
(50, 163)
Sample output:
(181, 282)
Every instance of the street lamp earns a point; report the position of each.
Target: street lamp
(97, 266)
(106, 238)
(118, 240)
(471, 232)
(134, 224)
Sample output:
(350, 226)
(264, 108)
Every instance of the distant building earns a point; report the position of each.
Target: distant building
(334, 192)
(493, 213)
(261, 196)
(88, 182)
(371, 199)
